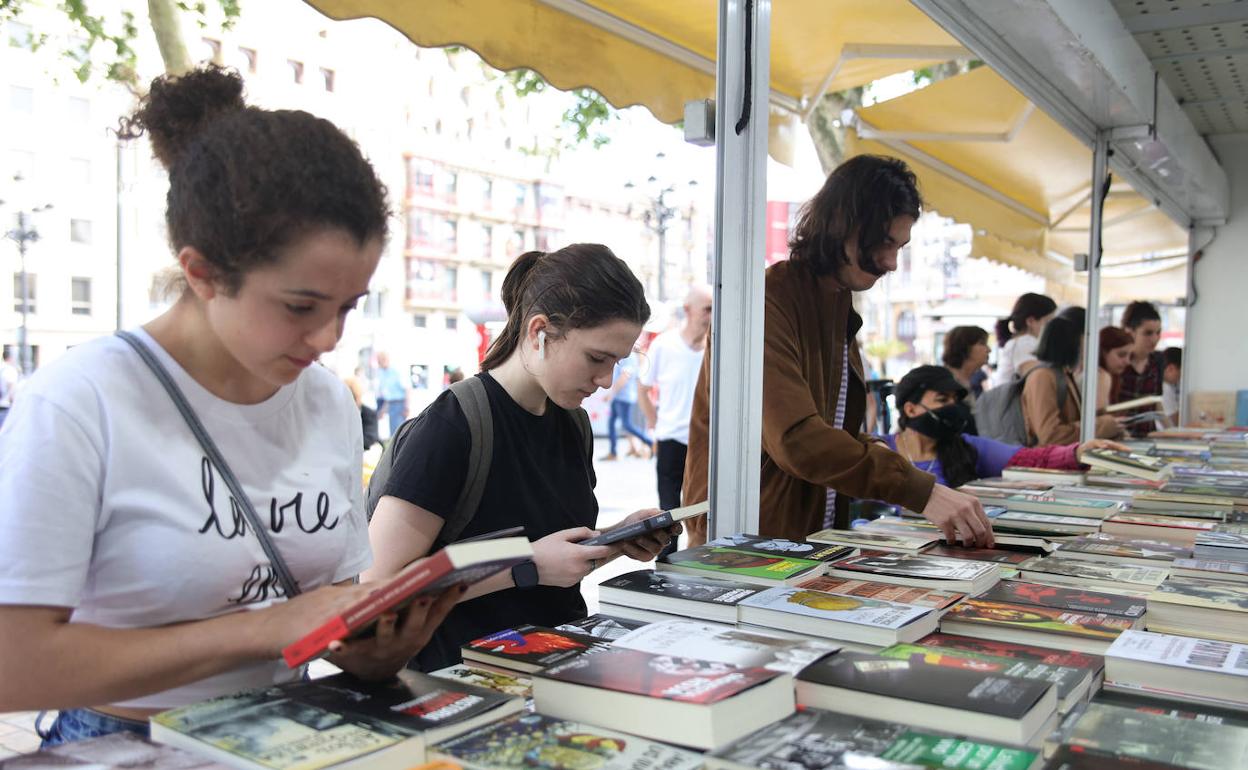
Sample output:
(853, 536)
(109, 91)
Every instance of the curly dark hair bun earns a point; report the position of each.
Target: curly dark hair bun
(177, 108)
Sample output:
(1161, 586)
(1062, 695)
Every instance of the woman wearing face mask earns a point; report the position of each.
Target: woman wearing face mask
(572, 315)
(933, 419)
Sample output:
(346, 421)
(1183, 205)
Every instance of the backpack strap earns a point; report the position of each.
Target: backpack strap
(475, 404)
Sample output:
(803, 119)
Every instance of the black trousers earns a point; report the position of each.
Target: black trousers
(669, 461)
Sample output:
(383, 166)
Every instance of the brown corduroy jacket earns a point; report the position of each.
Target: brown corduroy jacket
(808, 319)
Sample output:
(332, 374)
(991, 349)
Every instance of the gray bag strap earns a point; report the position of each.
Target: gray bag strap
(216, 458)
(475, 404)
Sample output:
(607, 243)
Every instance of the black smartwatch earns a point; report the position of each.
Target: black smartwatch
(525, 574)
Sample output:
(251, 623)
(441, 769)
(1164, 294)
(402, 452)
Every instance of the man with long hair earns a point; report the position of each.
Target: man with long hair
(815, 455)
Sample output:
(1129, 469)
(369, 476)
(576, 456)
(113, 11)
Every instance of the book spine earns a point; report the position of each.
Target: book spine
(312, 645)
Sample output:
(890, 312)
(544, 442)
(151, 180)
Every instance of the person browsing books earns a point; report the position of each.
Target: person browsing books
(1051, 399)
(1114, 356)
(1144, 376)
(131, 577)
(932, 417)
(814, 454)
(1019, 335)
(572, 314)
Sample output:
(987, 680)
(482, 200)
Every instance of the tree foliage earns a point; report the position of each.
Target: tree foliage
(582, 120)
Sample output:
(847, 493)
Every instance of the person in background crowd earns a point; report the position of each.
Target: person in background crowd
(1019, 334)
(667, 389)
(391, 393)
(624, 408)
(1114, 355)
(1171, 376)
(932, 416)
(814, 454)
(966, 352)
(130, 582)
(1052, 418)
(1143, 376)
(9, 375)
(454, 376)
(572, 314)
(368, 415)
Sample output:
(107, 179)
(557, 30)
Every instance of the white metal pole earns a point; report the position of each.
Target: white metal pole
(736, 418)
(1092, 322)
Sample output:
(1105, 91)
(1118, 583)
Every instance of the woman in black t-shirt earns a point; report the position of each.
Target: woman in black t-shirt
(571, 315)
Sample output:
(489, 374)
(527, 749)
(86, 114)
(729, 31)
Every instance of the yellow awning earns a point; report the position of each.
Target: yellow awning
(986, 156)
(661, 53)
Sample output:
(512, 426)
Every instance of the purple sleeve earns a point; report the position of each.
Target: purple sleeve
(993, 455)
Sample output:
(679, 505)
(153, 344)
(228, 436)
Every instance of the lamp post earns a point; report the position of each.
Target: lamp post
(656, 216)
(23, 234)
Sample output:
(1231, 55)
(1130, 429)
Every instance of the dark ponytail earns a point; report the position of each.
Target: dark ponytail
(1002, 329)
(581, 286)
(1029, 305)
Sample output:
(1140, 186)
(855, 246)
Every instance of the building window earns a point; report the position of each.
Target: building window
(80, 230)
(296, 70)
(31, 293)
(487, 193)
(907, 326)
(374, 304)
(19, 35)
(450, 282)
(22, 100)
(80, 297)
(487, 284)
(80, 169)
(448, 234)
(419, 177)
(79, 111)
(249, 58)
(327, 77)
(420, 321)
(522, 195)
(450, 183)
(419, 228)
(452, 323)
(212, 50)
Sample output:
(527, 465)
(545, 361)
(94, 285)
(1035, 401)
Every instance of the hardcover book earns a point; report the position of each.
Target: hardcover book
(1000, 649)
(918, 569)
(877, 541)
(814, 739)
(457, 564)
(697, 703)
(739, 564)
(697, 597)
(528, 741)
(837, 616)
(780, 547)
(726, 644)
(338, 721)
(1072, 683)
(1082, 631)
(530, 648)
(931, 697)
(887, 592)
(1066, 599)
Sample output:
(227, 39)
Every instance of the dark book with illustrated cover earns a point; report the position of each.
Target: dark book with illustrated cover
(814, 739)
(683, 587)
(1060, 598)
(774, 546)
(500, 681)
(325, 722)
(601, 626)
(913, 565)
(738, 564)
(540, 742)
(978, 612)
(1109, 729)
(1139, 551)
(660, 676)
(996, 648)
(909, 680)
(996, 555)
(530, 648)
(1206, 594)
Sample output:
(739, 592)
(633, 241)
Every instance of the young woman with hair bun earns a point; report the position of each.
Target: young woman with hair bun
(1019, 335)
(572, 314)
(131, 580)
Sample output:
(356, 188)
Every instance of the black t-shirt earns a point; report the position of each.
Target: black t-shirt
(540, 478)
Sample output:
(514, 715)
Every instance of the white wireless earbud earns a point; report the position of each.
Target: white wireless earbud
(541, 346)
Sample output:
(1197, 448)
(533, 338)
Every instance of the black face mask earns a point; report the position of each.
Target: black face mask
(943, 423)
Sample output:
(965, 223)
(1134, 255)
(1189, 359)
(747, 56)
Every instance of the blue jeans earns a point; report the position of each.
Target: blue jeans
(77, 724)
(623, 412)
(396, 411)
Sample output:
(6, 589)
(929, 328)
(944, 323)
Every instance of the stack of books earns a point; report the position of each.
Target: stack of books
(1108, 736)
(1211, 609)
(1178, 667)
(1096, 575)
(1224, 542)
(918, 570)
(741, 564)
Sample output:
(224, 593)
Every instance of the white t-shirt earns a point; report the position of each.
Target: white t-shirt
(674, 368)
(110, 507)
(1018, 351)
(1169, 399)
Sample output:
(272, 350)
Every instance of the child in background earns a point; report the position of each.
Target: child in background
(1171, 375)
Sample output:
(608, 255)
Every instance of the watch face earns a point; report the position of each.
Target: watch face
(524, 574)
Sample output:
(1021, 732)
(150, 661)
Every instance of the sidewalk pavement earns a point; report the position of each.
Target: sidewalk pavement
(624, 485)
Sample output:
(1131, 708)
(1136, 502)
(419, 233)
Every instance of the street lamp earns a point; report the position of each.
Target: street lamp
(657, 214)
(25, 233)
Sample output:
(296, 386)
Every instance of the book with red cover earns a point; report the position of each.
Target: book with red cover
(531, 648)
(1058, 598)
(1001, 649)
(660, 676)
(462, 563)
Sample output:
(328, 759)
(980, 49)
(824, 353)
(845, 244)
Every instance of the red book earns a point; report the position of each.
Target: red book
(457, 564)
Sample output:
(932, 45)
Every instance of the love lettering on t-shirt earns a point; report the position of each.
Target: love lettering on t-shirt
(263, 582)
